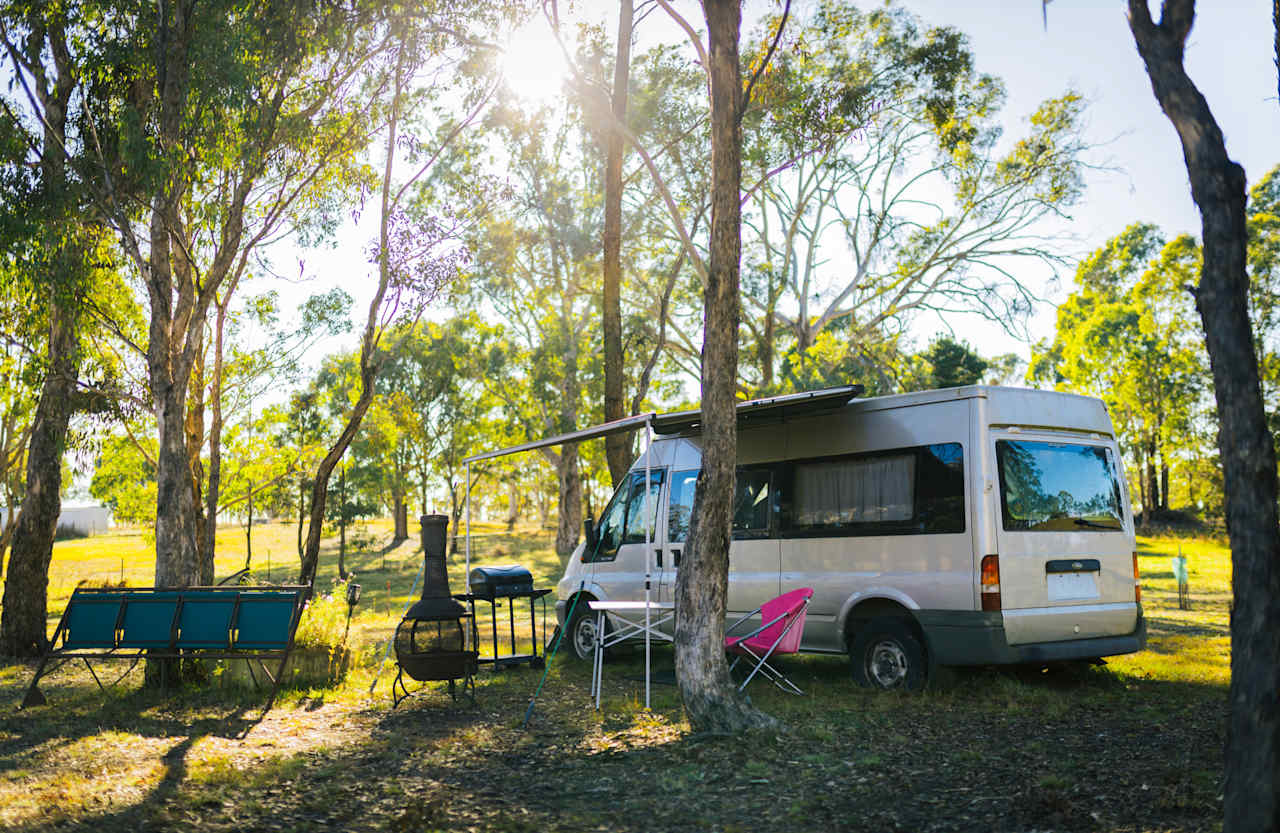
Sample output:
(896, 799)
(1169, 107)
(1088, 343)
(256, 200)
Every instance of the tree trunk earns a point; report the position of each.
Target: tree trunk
(25, 606)
(401, 520)
(513, 504)
(248, 528)
(213, 490)
(710, 698)
(320, 485)
(302, 513)
(342, 523)
(177, 560)
(1252, 793)
(569, 508)
(1153, 482)
(617, 447)
(195, 444)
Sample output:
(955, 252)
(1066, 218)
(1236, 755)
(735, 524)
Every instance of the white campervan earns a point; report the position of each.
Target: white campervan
(971, 526)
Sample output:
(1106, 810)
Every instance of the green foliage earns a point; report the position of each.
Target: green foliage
(1129, 335)
(953, 364)
(324, 620)
(124, 479)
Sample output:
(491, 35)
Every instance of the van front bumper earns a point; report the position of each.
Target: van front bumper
(978, 638)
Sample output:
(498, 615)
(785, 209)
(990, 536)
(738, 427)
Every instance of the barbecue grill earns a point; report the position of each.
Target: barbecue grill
(435, 640)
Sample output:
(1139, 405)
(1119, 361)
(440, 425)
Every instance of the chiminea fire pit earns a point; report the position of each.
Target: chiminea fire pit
(436, 639)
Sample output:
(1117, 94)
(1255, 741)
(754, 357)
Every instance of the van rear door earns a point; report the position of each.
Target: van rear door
(1064, 537)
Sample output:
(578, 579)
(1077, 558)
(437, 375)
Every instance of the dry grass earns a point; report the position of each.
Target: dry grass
(1132, 747)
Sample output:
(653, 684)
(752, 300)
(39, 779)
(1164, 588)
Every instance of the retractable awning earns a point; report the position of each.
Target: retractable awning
(754, 412)
(771, 409)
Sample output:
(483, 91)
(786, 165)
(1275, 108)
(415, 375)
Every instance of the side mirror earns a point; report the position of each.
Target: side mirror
(589, 532)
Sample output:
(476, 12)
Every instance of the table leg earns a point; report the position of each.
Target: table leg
(599, 657)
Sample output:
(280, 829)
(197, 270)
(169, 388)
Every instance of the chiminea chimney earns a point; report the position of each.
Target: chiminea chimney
(437, 601)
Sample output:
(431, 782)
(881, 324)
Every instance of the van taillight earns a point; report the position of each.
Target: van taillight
(990, 582)
(1137, 580)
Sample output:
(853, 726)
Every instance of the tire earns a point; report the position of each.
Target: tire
(886, 654)
(581, 633)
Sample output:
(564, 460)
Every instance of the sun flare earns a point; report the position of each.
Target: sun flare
(533, 66)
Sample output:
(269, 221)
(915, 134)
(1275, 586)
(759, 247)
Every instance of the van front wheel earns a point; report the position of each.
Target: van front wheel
(885, 653)
(582, 633)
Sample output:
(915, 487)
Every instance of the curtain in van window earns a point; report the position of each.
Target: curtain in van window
(864, 490)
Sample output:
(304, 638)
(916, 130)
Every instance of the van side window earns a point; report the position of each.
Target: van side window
(940, 489)
(752, 499)
(754, 504)
(622, 521)
(612, 522)
(896, 492)
(635, 529)
(855, 490)
(680, 506)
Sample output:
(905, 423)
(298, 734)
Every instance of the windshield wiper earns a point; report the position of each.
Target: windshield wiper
(1094, 525)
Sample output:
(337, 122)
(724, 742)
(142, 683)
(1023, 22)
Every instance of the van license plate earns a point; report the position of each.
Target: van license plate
(1072, 586)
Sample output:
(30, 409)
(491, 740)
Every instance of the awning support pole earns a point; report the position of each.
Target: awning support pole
(648, 546)
(467, 546)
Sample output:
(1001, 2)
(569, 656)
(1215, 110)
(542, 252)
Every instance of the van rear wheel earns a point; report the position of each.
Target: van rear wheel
(886, 654)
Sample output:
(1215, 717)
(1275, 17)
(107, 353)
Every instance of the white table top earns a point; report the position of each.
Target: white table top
(624, 606)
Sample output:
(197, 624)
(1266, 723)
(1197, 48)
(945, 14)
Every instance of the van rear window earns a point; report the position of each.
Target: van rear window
(1058, 487)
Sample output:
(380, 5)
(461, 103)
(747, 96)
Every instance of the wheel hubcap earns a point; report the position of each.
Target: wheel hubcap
(584, 637)
(887, 664)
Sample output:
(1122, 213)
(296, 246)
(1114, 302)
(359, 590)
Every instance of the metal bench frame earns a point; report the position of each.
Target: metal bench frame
(127, 644)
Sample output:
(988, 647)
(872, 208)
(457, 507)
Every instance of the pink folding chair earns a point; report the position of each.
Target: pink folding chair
(782, 625)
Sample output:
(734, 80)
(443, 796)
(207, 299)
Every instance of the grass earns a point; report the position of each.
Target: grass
(1134, 746)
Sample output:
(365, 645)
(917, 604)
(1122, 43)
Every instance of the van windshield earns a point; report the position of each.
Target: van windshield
(1058, 487)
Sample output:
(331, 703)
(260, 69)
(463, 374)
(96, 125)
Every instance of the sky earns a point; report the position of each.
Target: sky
(1084, 45)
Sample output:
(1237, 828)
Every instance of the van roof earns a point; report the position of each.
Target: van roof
(1009, 406)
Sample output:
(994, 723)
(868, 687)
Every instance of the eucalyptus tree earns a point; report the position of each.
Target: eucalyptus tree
(923, 207)
(208, 124)
(19, 350)
(536, 264)
(1252, 792)
(445, 412)
(252, 353)
(1127, 335)
(56, 250)
(435, 86)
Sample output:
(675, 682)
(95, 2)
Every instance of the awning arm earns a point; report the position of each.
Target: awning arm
(618, 426)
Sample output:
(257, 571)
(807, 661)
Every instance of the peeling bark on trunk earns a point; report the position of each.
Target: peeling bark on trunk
(711, 700)
(617, 447)
(25, 606)
(1252, 795)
